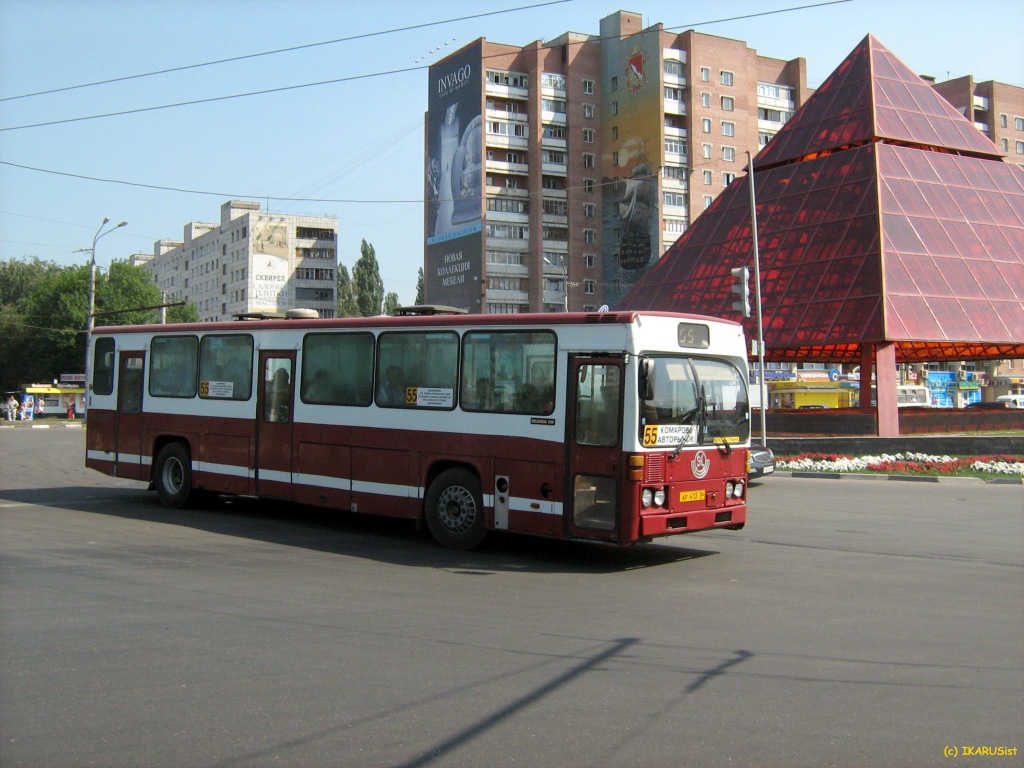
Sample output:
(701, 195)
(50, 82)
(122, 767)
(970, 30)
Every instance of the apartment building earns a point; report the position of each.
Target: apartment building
(252, 262)
(997, 110)
(559, 172)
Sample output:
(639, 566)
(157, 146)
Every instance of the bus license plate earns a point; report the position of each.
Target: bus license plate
(692, 495)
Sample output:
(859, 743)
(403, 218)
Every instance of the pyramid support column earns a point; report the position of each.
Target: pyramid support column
(886, 395)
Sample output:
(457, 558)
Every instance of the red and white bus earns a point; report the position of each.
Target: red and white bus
(616, 426)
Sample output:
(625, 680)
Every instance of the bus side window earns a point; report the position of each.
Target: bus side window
(103, 366)
(597, 405)
(337, 369)
(172, 366)
(225, 365)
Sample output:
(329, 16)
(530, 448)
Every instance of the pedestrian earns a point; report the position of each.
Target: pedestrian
(12, 408)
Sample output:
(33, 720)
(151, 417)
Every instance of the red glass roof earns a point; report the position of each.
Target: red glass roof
(868, 231)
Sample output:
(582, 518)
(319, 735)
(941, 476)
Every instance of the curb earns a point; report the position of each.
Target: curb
(901, 478)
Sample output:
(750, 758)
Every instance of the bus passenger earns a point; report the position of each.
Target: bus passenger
(320, 390)
(392, 390)
(278, 392)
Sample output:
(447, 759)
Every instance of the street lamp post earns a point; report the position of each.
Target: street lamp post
(90, 320)
(565, 280)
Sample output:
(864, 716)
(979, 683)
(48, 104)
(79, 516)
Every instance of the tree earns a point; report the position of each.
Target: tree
(347, 306)
(419, 287)
(368, 286)
(391, 303)
(44, 311)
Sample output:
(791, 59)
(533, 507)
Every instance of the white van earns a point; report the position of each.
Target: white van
(1015, 401)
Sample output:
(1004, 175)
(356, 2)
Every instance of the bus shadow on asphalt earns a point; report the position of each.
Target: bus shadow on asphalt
(383, 539)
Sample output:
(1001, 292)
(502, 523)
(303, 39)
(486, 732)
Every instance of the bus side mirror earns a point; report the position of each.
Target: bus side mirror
(646, 375)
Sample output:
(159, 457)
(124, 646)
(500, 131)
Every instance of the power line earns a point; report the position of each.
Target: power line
(367, 76)
(283, 50)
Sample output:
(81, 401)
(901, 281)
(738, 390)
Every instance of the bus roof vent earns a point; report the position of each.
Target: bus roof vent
(301, 314)
(258, 316)
(428, 309)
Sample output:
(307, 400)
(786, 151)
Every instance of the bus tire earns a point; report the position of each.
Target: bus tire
(454, 510)
(172, 476)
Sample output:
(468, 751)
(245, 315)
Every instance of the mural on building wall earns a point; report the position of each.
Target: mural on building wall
(630, 165)
(455, 182)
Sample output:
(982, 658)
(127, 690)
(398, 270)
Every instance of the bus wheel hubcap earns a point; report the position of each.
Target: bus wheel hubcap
(456, 509)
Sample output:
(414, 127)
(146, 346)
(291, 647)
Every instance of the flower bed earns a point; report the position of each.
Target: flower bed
(905, 464)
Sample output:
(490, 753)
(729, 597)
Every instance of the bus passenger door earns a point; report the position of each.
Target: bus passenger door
(594, 445)
(274, 424)
(128, 428)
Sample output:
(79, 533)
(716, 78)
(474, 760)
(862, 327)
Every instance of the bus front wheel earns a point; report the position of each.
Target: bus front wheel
(454, 510)
(173, 475)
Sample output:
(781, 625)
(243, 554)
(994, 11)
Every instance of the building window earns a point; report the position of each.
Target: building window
(728, 103)
(709, 178)
(707, 202)
(588, 185)
(588, 111)
(589, 236)
(554, 131)
(1018, 123)
(589, 286)
(726, 77)
(705, 100)
(676, 147)
(729, 154)
(728, 129)
(589, 260)
(674, 172)
(673, 94)
(1002, 121)
(673, 67)
(553, 105)
(1020, 147)
(705, 125)
(589, 209)
(615, 84)
(728, 178)
(677, 199)
(705, 74)
(588, 135)
(550, 80)
(553, 156)
(588, 87)
(615, 133)
(705, 151)
(589, 160)
(1005, 144)
(555, 207)
(615, 107)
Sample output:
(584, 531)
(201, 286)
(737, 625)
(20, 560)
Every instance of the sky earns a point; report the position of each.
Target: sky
(349, 143)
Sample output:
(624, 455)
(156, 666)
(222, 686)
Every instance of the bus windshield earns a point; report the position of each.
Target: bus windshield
(692, 401)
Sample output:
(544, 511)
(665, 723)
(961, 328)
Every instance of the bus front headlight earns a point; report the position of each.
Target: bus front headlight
(647, 497)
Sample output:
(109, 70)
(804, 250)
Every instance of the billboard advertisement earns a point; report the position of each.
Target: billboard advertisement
(452, 274)
(631, 162)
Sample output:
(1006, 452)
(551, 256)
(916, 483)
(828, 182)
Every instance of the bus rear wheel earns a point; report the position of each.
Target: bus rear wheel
(454, 510)
(172, 475)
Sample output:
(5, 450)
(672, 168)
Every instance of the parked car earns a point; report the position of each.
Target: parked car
(762, 461)
(990, 406)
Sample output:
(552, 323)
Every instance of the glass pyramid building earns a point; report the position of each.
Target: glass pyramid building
(884, 217)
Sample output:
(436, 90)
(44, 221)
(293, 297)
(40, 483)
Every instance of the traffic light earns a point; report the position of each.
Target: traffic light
(742, 287)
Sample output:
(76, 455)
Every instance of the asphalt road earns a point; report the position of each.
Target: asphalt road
(849, 624)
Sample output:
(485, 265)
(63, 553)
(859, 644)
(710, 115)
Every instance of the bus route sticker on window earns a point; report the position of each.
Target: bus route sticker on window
(430, 397)
(659, 435)
(217, 389)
